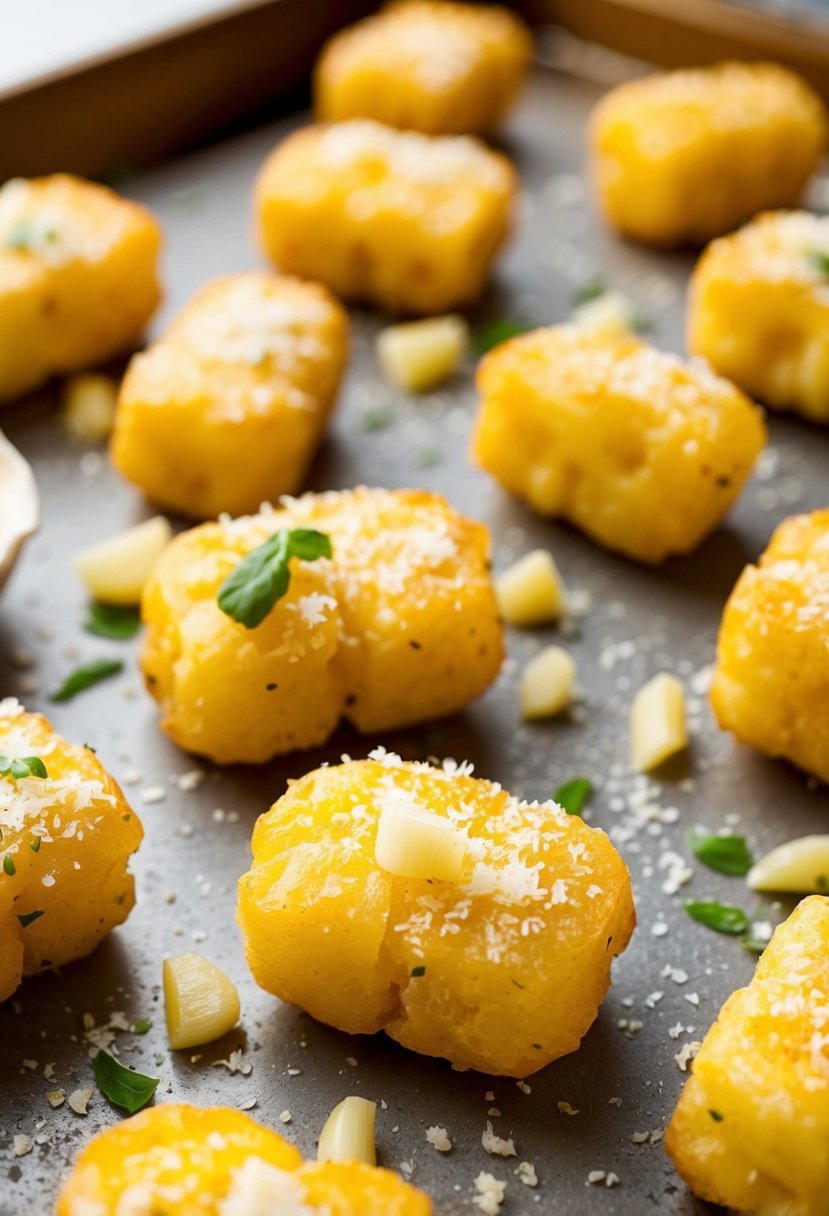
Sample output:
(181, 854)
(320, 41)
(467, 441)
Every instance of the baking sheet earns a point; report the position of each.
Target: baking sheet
(639, 621)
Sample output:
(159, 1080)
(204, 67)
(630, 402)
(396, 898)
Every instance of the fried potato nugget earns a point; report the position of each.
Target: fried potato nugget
(65, 841)
(502, 970)
(425, 65)
(226, 410)
(751, 1130)
(771, 677)
(641, 451)
(759, 310)
(685, 156)
(400, 626)
(77, 277)
(176, 1160)
(392, 217)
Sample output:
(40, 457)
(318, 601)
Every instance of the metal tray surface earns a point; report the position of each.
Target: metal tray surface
(625, 1080)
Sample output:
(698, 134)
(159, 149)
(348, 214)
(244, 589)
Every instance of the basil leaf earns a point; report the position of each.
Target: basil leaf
(123, 1087)
(820, 261)
(24, 766)
(85, 676)
(496, 332)
(574, 794)
(250, 591)
(29, 917)
(112, 621)
(723, 918)
(725, 854)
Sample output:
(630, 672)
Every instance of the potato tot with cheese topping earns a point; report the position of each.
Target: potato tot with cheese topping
(751, 1131)
(65, 841)
(641, 451)
(685, 156)
(401, 625)
(771, 677)
(425, 65)
(499, 966)
(248, 372)
(393, 217)
(759, 310)
(176, 1160)
(78, 275)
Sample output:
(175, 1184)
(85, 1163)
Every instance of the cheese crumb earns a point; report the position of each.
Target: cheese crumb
(79, 1100)
(566, 1108)
(56, 1098)
(23, 1145)
(438, 1137)
(496, 1145)
(686, 1054)
(526, 1173)
(490, 1194)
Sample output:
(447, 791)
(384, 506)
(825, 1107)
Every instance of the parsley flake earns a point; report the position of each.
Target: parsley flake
(112, 621)
(417, 972)
(29, 918)
(85, 676)
(716, 1116)
(573, 795)
(8, 866)
(123, 1087)
(24, 766)
(496, 332)
(723, 918)
(725, 854)
(142, 1025)
(250, 591)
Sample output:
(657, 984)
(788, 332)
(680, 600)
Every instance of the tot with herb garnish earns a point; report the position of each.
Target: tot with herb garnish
(425, 65)
(66, 836)
(759, 310)
(226, 410)
(771, 678)
(681, 157)
(373, 605)
(78, 272)
(751, 1130)
(641, 451)
(393, 217)
(178, 1159)
(465, 923)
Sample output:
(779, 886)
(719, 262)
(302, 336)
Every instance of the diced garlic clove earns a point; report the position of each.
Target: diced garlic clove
(88, 407)
(547, 684)
(530, 592)
(800, 866)
(348, 1134)
(611, 315)
(420, 355)
(200, 1002)
(657, 722)
(115, 570)
(415, 843)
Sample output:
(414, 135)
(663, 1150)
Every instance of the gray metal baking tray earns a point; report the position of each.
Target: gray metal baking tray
(625, 1080)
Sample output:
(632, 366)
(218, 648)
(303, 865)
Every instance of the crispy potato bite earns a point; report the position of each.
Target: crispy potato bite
(502, 970)
(645, 453)
(759, 310)
(65, 841)
(400, 626)
(175, 1160)
(226, 410)
(77, 277)
(425, 65)
(751, 1130)
(388, 216)
(771, 680)
(685, 156)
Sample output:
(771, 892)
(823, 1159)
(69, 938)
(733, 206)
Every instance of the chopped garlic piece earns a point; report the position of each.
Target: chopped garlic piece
(547, 683)
(55, 1098)
(420, 355)
(800, 866)
(78, 1100)
(415, 843)
(115, 570)
(348, 1134)
(200, 1002)
(657, 722)
(22, 1145)
(89, 402)
(530, 591)
(611, 315)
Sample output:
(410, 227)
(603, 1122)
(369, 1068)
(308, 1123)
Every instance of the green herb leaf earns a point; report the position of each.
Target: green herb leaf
(250, 591)
(123, 1087)
(142, 1025)
(28, 918)
(34, 845)
(85, 676)
(820, 261)
(24, 766)
(416, 972)
(574, 794)
(376, 418)
(112, 621)
(591, 290)
(724, 918)
(8, 866)
(716, 1116)
(725, 854)
(496, 332)
(754, 945)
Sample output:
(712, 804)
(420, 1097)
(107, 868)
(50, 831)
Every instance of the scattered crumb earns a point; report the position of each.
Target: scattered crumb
(285, 1117)
(490, 1194)
(438, 1137)
(686, 1054)
(79, 1100)
(566, 1109)
(496, 1145)
(23, 1145)
(526, 1173)
(56, 1098)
